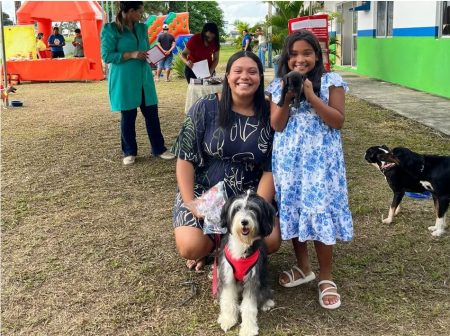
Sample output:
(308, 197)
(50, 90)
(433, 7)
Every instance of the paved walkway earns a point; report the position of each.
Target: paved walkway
(425, 108)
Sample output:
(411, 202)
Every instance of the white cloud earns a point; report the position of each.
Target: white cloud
(251, 12)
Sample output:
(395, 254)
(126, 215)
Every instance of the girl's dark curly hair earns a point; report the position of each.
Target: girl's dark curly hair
(315, 75)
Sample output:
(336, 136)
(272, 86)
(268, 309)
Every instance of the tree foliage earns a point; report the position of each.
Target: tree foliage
(6, 19)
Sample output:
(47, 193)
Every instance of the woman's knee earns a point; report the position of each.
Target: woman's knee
(192, 245)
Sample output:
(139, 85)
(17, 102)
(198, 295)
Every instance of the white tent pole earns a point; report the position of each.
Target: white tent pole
(5, 79)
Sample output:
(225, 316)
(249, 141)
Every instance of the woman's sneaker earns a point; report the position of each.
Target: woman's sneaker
(129, 160)
(167, 155)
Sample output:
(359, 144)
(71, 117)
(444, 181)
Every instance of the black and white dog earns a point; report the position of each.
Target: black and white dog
(406, 170)
(243, 262)
(292, 81)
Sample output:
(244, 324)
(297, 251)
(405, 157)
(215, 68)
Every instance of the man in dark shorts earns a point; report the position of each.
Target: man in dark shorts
(167, 42)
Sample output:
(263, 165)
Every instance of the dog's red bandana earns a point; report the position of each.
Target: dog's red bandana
(241, 266)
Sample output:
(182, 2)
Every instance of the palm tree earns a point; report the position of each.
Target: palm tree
(284, 11)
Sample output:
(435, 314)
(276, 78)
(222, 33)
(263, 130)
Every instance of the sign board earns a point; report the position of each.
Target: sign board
(318, 25)
(20, 42)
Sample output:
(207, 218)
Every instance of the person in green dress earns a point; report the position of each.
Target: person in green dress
(123, 45)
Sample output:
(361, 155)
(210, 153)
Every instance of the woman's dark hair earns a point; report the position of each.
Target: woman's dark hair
(225, 104)
(78, 30)
(212, 28)
(124, 7)
(315, 75)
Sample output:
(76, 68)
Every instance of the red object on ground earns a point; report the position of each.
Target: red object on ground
(318, 25)
(90, 16)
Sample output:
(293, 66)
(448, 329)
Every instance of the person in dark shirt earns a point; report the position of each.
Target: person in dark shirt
(167, 42)
(56, 43)
(246, 41)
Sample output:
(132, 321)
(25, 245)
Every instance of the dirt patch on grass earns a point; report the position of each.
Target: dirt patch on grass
(87, 244)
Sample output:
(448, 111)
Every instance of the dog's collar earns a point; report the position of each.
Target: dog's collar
(386, 166)
(241, 266)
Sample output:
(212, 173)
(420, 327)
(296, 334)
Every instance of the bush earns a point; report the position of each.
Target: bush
(178, 65)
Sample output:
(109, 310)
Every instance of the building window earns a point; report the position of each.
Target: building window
(445, 18)
(385, 11)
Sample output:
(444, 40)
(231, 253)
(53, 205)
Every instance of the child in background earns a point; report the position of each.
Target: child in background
(308, 164)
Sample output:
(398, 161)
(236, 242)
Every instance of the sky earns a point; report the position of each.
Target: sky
(251, 12)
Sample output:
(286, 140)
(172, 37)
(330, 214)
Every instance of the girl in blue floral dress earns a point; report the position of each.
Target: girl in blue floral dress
(308, 164)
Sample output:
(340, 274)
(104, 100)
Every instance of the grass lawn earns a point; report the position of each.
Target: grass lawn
(88, 246)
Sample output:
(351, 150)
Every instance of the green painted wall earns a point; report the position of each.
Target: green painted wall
(421, 63)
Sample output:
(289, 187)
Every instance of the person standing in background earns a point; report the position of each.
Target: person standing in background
(78, 44)
(202, 46)
(40, 45)
(56, 43)
(124, 44)
(167, 42)
(246, 41)
(262, 45)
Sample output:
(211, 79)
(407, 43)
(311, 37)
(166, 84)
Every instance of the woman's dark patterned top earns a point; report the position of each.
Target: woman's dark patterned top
(238, 155)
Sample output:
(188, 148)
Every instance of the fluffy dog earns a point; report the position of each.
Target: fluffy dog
(292, 81)
(406, 170)
(243, 262)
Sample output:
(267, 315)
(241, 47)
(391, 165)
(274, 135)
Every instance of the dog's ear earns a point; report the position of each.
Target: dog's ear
(385, 147)
(388, 157)
(224, 213)
(283, 91)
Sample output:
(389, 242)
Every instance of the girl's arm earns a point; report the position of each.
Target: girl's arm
(333, 113)
(280, 115)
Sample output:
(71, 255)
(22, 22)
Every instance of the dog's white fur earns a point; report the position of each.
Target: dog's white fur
(240, 239)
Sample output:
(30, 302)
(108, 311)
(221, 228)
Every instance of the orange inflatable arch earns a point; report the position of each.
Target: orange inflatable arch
(90, 16)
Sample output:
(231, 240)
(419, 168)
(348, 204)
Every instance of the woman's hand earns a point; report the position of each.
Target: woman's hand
(191, 206)
(308, 90)
(189, 64)
(141, 55)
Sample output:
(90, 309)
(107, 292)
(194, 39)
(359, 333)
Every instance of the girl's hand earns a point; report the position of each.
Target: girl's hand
(308, 89)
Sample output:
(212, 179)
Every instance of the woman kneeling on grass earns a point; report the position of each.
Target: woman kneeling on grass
(225, 138)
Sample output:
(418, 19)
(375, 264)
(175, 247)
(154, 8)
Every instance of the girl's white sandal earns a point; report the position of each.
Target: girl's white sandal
(303, 279)
(327, 292)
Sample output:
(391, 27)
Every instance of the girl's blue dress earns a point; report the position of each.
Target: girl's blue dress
(309, 172)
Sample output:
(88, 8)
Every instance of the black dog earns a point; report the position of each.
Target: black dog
(292, 81)
(406, 170)
(243, 262)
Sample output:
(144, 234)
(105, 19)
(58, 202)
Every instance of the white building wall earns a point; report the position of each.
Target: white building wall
(409, 14)
(367, 19)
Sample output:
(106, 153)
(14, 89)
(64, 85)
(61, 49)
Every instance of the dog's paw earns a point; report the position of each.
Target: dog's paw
(437, 233)
(227, 321)
(248, 330)
(386, 220)
(432, 228)
(268, 305)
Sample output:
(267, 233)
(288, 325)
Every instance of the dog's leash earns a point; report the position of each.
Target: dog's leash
(214, 275)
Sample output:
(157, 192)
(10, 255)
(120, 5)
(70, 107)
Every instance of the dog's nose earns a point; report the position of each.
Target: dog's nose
(244, 222)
